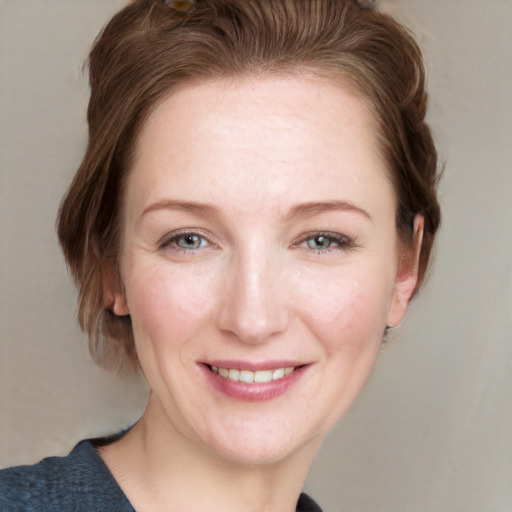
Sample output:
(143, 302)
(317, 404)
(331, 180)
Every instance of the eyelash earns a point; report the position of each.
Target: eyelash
(340, 242)
(173, 238)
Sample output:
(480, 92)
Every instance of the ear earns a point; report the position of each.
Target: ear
(406, 276)
(113, 294)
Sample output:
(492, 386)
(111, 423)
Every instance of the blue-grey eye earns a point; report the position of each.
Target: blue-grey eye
(319, 242)
(189, 241)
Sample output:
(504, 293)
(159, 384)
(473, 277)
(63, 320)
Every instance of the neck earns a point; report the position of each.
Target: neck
(157, 466)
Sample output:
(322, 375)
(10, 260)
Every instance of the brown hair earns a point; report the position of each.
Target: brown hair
(151, 47)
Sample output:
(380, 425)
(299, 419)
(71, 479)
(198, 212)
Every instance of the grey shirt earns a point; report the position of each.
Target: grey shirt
(79, 482)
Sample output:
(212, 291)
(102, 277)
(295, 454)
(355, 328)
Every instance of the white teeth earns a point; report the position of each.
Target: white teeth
(260, 376)
(263, 376)
(278, 374)
(246, 376)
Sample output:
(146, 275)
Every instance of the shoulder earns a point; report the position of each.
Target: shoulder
(307, 504)
(79, 481)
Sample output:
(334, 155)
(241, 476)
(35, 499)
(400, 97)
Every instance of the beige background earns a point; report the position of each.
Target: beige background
(432, 431)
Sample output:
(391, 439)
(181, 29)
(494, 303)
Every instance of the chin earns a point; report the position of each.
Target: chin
(249, 441)
(272, 450)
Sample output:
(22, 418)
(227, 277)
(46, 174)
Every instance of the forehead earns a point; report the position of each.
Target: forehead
(266, 135)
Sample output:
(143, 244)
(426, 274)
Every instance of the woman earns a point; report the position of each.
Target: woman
(256, 207)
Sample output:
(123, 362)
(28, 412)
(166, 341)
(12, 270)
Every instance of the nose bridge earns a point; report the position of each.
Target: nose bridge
(254, 307)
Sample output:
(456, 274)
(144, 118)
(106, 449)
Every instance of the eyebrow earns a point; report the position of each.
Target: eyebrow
(329, 206)
(303, 209)
(186, 206)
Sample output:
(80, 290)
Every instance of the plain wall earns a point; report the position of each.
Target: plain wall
(433, 429)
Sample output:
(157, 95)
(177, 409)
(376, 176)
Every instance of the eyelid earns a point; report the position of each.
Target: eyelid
(167, 239)
(343, 242)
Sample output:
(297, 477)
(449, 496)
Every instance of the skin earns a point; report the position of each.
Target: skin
(256, 170)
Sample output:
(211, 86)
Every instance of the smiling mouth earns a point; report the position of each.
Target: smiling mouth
(250, 377)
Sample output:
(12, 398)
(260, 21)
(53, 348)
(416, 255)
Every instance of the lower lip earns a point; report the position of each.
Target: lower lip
(253, 392)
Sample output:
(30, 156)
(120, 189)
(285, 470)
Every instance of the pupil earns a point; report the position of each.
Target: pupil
(191, 240)
(322, 242)
(319, 242)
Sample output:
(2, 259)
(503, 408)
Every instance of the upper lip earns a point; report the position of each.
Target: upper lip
(254, 366)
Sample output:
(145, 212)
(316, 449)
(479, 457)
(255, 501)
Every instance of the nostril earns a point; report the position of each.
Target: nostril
(253, 306)
(253, 326)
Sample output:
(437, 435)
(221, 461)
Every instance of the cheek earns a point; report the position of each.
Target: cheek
(167, 304)
(348, 311)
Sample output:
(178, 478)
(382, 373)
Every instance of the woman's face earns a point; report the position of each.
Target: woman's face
(260, 262)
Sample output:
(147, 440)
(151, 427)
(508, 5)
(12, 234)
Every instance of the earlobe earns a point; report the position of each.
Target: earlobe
(406, 276)
(113, 296)
(120, 307)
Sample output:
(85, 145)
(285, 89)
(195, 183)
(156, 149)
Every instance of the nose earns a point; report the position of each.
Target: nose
(254, 305)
